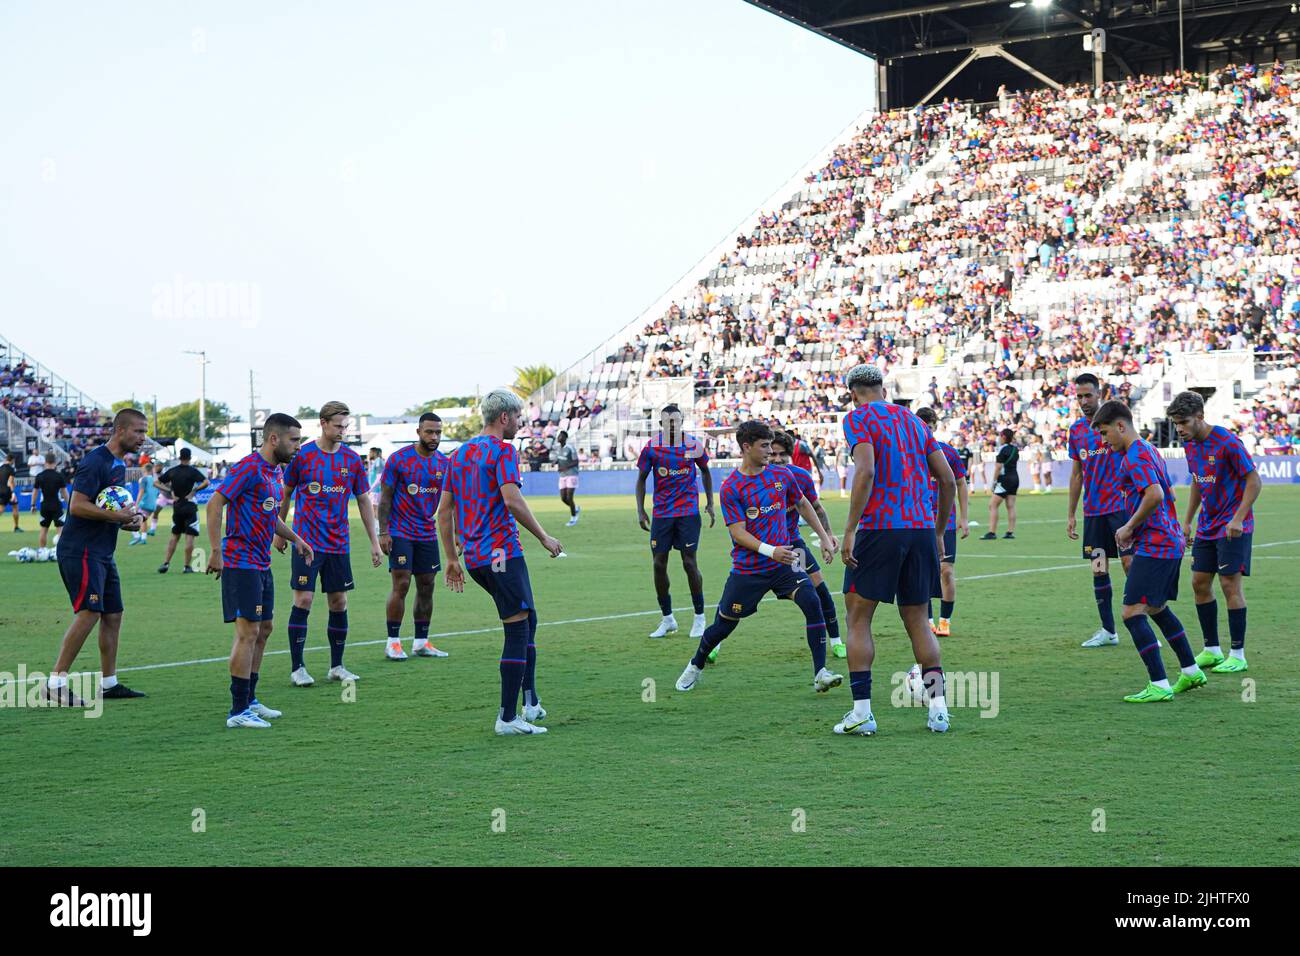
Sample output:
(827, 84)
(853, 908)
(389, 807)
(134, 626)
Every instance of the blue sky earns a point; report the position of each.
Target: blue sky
(379, 202)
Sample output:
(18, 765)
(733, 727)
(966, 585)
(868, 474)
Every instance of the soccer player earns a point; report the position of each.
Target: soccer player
(481, 503)
(1005, 484)
(893, 540)
(957, 522)
(675, 457)
(320, 482)
(85, 555)
(1225, 486)
(782, 448)
(147, 501)
(755, 498)
(413, 481)
(48, 487)
(9, 488)
(375, 475)
(181, 483)
(1095, 475)
(242, 559)
(566, 456)
(1154, 534)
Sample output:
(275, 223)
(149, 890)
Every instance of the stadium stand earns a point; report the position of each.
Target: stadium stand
(39, 409)
(984, 255)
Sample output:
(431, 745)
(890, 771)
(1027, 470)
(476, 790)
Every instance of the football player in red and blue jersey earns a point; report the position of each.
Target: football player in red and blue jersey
(763, 558)
(674, 458)
(957, 522)
(1095, 476)
(320, 483)
(1156, 537)
(412, 483)
(783, 446)
(85, 555)
(894, 539)
(482, 502)
(1225, 486)
(242, 559)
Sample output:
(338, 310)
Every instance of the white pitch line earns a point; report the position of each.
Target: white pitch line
(579, 620)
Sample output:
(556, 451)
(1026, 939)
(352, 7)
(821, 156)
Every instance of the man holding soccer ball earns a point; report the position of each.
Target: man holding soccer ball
(85, 555)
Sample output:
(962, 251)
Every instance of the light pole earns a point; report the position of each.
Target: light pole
(203, 394)
(1180, 36)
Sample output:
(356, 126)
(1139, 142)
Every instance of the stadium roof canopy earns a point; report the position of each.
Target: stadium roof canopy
(966, 49)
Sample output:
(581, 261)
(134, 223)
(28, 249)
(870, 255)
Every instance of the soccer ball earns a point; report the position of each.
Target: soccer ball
(915, 684)
(25, 555)
(45, 554)
(114, 498)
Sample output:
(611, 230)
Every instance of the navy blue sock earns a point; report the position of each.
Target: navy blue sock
(252, 687)
(1144, 639)
(394, 630)
(828, 611)
(945, 609)
(815, 625)
(530, 668)
(1172, 629)
(1209, 615)
(1237, 627)
(929, 609)
(665, 604)
(297, 634)
(714, 635)
(860, 684)
(238, 695)
(514, 658)
(932, 681)
(337, 631)
(1102, 592)
(697, 601)
(422, 631)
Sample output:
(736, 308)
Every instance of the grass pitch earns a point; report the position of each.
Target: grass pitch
(742, 770)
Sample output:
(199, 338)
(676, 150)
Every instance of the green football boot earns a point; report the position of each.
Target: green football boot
(1186, 682)
(1151, 694)
(1208, 658)
(1231, 665)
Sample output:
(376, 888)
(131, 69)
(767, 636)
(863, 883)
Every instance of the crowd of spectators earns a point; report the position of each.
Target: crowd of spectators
(996, 253)
(36, 402)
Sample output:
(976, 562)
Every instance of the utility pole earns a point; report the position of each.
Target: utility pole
(203, 394)
(252, 410)
(155, 415)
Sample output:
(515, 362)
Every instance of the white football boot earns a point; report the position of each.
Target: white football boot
(246, 719)
(698, 625)
(517, 727)
(427, 650)
(688, 678)
(301, 678)
(853, 724)
(1103, 638)
(667, 625)
(535, 712)
(341, 673)
(261, 710)
(394, 651)
(825, 680)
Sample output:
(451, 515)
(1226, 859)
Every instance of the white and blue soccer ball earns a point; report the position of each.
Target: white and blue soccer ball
(114, 498)
(25, 555)
(46, 554)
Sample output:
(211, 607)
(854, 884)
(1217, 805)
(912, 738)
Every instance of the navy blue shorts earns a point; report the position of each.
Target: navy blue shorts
(418, 557)
(1099, 535)
(248, 593)
(895, 565)
(1152, 581)
(1222, 555)
(681, 532)
(810, 565)
(742, 592)
(92, 582)
(949, 555)
(509, 586)
(335, 572)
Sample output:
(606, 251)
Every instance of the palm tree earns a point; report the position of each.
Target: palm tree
(530, 378)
